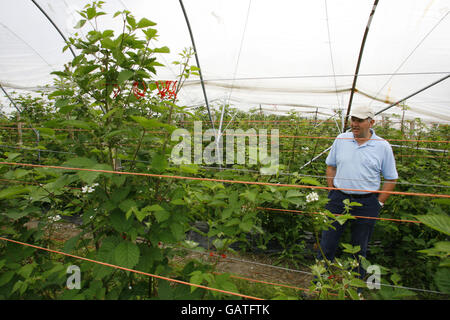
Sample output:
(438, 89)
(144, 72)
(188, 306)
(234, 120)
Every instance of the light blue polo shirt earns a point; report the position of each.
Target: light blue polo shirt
(361, 166)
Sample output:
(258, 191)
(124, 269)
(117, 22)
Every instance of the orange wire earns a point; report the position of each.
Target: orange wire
(260, 208)
(226, 181)
(56, 129)
(337, 214)
(132, 270)
(263, 135)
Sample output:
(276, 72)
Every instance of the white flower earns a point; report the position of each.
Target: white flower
(313, 196)
(55, 218)
(89, 189)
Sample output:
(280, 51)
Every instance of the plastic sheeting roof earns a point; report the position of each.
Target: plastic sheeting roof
(283, 55)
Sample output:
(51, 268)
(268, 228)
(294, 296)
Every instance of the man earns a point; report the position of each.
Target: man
(356, 161)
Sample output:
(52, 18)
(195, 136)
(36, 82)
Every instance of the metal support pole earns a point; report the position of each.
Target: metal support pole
(54, 25)
(359, 60)
(198, 62)
(413, 94)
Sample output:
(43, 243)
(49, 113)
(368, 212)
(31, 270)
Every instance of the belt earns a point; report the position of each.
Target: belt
(357, 196)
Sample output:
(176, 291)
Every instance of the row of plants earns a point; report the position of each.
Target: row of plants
(141, 222)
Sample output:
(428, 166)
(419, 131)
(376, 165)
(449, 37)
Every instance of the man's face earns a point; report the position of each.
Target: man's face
(361, 127)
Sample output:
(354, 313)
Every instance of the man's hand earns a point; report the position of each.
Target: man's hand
(331, 173)
(389, 185)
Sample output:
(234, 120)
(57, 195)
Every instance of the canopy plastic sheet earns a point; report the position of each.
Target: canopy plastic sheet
(279, 56)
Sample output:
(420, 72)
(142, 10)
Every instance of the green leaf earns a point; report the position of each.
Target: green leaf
(131, 21)
(124, 75)
(127, 205)
(80, 24)
(218, 204)
(251, 195)
(355, 282)
(120, 194)
(177, 231)
(445, 263)
(6, 277)
(246, 226)
(310, 181)
(26, 270)
(18, 286)
(84, 70)
(80, 162)
(296, 201)
(60, 74)
(12, 155)
(440, 249)
(150, 33)
(126, 254)
(118, 179)
(178, 202)
(78, 124)
(89, 177)
(108, 43)
(155, 207)
(144, 23)
(196, 278)
(189, 168)
(226, 213)
(61, 103)
(442, 279)
(70, 244)
(161, 216)
(353, 294)
(342, 218)
(351, 249)
(440, 223)
(106, 252)
(139, 214)
(293, 193)
(150, 123)
(108, 33)
(46, 131)
(159, 162)
(162, 50)
(119, 221)
(115, 133)
(444, 201)
(12, 192)
(57, 93)
(17, 214)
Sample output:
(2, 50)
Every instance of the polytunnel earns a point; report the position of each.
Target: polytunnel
(302, 56)
(126, 174)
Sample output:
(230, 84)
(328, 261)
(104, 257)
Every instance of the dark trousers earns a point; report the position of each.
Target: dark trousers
(361, 229)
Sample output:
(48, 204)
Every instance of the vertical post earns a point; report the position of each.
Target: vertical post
(402, 126)
(359, 61)
(198, 62)
(19, 129)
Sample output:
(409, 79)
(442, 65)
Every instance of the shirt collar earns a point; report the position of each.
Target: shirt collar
(370, 142)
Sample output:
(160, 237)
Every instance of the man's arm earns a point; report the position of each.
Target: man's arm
(331, 173)
(389, 185)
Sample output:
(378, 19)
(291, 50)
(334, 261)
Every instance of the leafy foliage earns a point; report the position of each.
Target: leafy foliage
(105, 114)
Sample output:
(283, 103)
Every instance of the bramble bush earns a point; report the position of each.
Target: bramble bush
(106, 114)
